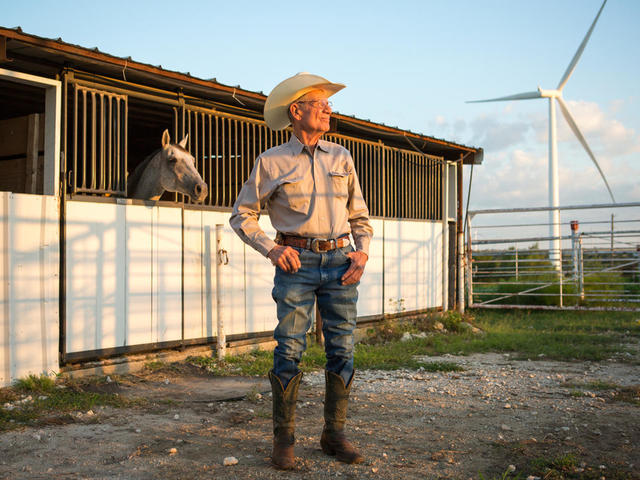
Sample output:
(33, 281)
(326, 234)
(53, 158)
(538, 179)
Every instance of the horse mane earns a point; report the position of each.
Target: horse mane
(134, 178)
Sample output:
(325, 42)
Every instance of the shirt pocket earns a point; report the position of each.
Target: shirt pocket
(296, 194)
(339, 182)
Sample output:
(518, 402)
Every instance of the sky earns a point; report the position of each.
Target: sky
(410, 64)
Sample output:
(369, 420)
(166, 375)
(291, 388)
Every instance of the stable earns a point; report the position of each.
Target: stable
(87, 274)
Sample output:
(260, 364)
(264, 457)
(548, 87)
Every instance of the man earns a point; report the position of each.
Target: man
(310, 189)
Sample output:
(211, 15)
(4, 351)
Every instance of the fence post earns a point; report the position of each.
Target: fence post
(612, 262)
(460, 237)
(221, 260)
(517, 274)
(574, 248)
(580, 268)
(468, 264)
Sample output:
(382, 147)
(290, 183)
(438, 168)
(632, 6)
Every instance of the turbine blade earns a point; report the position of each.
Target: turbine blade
(578, 54)
(517, 96)
(567, 116)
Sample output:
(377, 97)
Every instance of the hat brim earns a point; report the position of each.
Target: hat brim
(286, 92)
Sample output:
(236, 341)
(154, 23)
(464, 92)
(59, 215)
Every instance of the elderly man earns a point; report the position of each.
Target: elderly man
(311, 192)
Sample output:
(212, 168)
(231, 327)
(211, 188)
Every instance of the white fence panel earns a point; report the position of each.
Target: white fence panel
(138, 275)
(195, 285)
(124, 270)
(433, 265)
(370, 297)
(233, 291)
(408, 257)
(125, 282)
(95, 273)
(167, 274)
(29, 260)
(261, 309)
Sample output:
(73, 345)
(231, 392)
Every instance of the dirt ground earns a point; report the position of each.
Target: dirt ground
(470, 424)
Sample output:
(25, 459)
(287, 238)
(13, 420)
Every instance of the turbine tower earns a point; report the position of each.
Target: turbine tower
(556, 96)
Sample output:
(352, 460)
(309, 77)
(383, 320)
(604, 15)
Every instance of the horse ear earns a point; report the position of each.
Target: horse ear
(183, 142)
(166, 139)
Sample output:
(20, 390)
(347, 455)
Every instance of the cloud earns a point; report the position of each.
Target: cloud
(491, 131)
(516, 179)
(604, 134)
(494, 134)
(520, 179)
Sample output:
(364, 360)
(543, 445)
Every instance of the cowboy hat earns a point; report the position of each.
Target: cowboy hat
(286, 92)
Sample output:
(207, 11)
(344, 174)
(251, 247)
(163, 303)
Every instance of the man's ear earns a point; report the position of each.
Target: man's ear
(293, 111)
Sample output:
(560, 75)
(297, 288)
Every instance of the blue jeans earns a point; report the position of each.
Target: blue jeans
(295, 295)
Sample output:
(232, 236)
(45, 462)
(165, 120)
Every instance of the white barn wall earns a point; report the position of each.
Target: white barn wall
(95, 268)
(29, 263)
(233, 287)
(136, 274)
(195, 286)
(370, 296)
(412, 265)
(405, 262)
(124, 269)
(167, 274)
(433, 265)
(260, 307)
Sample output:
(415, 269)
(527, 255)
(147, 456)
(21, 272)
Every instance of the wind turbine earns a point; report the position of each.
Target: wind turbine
(556, 95)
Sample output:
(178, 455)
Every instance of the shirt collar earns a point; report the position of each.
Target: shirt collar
(297, 146)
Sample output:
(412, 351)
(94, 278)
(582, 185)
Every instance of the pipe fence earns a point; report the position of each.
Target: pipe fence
(396, 183)
(597, 266)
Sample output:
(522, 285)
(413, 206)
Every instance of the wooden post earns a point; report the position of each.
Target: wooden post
(460, 235)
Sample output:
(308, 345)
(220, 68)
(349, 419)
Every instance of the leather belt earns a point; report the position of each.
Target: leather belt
(317, 245)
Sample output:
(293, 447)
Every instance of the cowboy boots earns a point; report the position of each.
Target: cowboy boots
(333, 441)
(284, 410)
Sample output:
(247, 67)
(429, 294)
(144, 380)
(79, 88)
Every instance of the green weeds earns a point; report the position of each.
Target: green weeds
(534, 335)
(38, 400)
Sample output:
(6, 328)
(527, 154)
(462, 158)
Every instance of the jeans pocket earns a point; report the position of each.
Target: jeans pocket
(344, 251)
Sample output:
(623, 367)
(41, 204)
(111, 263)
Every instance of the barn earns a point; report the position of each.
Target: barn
(87, 274)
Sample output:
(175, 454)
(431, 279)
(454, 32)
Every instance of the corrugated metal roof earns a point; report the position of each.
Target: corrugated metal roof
(55, 53)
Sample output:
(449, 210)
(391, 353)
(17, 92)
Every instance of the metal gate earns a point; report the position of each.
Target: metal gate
(98, 142)
(597, 267)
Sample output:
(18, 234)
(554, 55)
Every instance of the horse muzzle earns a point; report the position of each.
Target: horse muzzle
(200, 192)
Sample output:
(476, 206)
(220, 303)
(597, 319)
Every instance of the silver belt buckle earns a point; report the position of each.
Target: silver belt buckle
(314, 245)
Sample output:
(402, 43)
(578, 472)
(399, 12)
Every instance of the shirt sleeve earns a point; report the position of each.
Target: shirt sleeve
(361, 229)
(246, 209)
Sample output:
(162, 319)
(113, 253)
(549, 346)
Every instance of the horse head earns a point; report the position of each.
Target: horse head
(177, 170)
(171, 168)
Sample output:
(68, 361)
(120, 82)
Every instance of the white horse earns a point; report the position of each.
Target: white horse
(170, 168)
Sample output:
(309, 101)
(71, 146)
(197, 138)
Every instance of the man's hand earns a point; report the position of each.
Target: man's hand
(356, 269)
(285, 257)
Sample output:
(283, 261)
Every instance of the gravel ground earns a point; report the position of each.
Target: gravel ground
(409, 424)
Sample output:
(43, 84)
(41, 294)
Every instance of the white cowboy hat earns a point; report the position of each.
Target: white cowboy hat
(286, 92)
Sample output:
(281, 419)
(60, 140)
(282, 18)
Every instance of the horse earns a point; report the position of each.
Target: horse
(169, 168)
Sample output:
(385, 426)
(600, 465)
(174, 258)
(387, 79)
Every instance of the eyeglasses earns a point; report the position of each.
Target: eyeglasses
(321, 104)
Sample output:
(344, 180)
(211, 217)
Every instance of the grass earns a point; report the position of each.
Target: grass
(36, 400)
(628, 394)
(568, 336)
(548, 461)
(593, 336)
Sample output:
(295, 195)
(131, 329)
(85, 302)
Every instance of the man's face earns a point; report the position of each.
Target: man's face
(312, 112)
